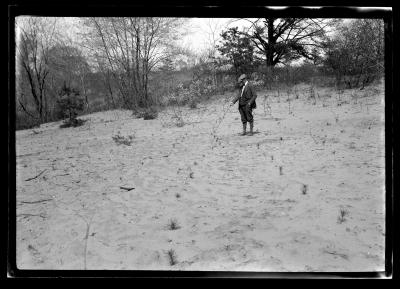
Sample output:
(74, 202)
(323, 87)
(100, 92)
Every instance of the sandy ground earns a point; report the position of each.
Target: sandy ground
(205, 198)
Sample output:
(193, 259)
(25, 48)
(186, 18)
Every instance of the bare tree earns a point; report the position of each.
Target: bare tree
(212, 30)
(280, 40)
(35, 36)
(131, 48)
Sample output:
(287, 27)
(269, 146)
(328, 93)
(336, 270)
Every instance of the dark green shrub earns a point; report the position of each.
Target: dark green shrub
(69, 104)
(148, 113)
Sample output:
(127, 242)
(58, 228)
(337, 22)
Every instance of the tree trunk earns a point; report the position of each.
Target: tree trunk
(271, 43)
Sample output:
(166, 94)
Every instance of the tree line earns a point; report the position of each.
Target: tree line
(120, 61)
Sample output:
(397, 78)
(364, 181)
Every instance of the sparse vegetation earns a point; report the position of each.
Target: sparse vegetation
(173, 225)
(125, 140)
(304, 189)
(172, 258)
(342, 215)
(69, 104)
(148, 113)
(234, 191)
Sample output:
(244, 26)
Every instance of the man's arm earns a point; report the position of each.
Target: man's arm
(236, 99)
(253, 95)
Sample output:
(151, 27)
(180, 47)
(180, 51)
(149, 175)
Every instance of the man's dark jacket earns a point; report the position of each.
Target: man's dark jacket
(249, 96)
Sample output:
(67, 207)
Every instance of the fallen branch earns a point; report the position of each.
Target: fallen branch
(126, 188)
(35, 177)
(31, 215)
(344, 256)
(34, 202)
(86, 243)
(62, 175)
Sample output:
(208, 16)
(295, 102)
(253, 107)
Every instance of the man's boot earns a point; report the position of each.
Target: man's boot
(251, 129)
(244, 128)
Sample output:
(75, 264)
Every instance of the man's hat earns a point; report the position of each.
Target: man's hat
(243, 76)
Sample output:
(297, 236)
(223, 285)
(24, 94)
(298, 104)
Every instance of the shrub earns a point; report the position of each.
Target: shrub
(173, 225)
(69, 104)
(23, 121)
(172, 257)
(123, 140)
(193, 104)
(150, 113)
(342, 215)
(147, 113)
(74, 123)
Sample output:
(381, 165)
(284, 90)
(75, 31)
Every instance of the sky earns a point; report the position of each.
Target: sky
(197, 35)
(202, 31)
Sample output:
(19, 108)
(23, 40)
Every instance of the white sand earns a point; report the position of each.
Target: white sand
(234, 209)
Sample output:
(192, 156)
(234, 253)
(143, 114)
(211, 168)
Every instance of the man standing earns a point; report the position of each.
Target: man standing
(247, 102)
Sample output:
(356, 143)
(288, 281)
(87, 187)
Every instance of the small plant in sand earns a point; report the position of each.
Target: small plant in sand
(311, 96)
(296, 93)
(281, 170)
(125, 140)
(266, 105)
(172, 257)
(177, 195)
(193, 104)
(173, 225)
(342, 215)
(69, 104)
(179, 121)
(340, 93)
(150, 113)
(304, 189)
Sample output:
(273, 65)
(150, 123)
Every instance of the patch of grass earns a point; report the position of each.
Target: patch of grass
(147, 114)
(172, 257)
(193, 104)
(342, 215)
(281, 170)
(304, 189)
(173, 225)
(123, 140)
(73, 123)
(150, 114)
(179, 122)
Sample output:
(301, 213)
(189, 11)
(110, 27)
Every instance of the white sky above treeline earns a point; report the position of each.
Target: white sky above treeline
(195, 35)
(198, 34)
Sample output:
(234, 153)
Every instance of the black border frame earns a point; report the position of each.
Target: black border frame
(200, 10)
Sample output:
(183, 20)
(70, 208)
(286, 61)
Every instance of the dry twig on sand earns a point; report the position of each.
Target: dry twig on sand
(35, 202)
(35, 176)
(126, 188)
(344, 256)
(31, 215)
